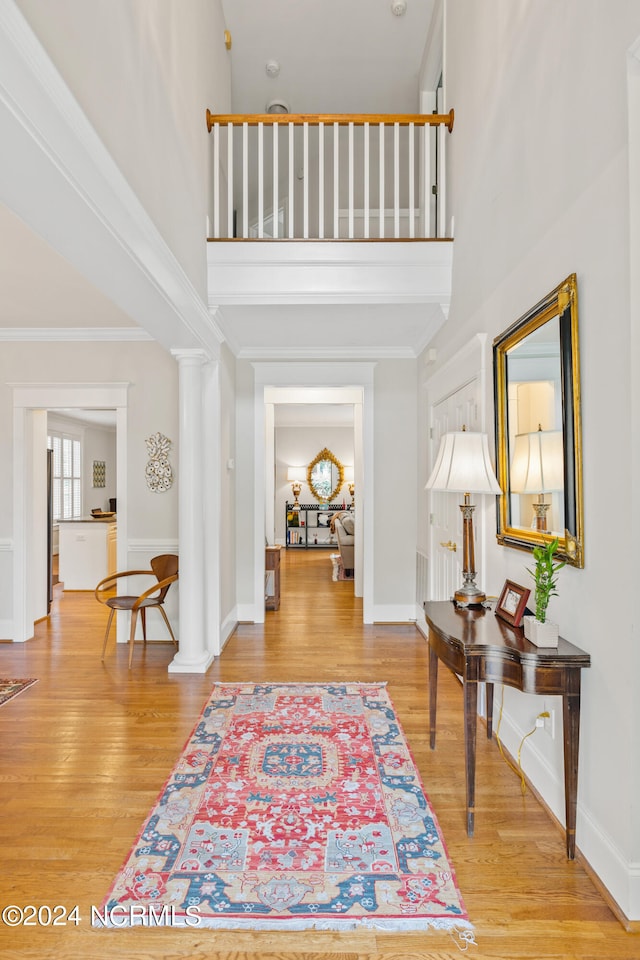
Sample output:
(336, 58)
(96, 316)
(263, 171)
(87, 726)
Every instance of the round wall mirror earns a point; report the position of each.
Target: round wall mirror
(325, 476)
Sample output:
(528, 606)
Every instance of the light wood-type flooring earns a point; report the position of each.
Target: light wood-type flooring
(85, 752)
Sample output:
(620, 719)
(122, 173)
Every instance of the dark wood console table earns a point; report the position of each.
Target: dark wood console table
(481, 647)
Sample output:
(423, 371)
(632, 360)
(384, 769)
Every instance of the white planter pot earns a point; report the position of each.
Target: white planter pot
(541, 634)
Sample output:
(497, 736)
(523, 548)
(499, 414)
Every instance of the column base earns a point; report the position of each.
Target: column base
(182, 665)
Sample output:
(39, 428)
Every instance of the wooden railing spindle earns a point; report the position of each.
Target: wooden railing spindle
(321, 181)
(261, 180)
(216, 180)
(381, 129)
(275, 134)
(291, 181)
(305, 181)
(230, 131)
(396, 180)
(365, 174)
(412, 225)
(245, 179)
(336, 181)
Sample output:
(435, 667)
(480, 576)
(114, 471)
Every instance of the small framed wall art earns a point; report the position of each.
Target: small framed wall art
(99, 473)
(512, 603)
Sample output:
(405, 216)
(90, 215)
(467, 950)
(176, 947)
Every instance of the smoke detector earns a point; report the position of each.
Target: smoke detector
(398, 7)
(277, 106)
(272, 68)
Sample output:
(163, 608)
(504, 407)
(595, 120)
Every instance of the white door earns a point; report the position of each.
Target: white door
(458, 410)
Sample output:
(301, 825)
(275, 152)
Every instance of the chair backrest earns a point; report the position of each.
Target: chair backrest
(165, 565)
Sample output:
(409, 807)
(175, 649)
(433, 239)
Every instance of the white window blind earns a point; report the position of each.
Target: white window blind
(67, 476)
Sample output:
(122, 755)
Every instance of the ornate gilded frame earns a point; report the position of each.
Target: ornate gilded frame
(325, 455)
(560, 304)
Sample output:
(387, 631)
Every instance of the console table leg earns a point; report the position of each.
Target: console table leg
(571, 735)
(489, 696)
(470, 723)
(433, 694)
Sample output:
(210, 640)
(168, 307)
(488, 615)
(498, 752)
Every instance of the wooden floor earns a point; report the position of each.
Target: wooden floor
(87, 749)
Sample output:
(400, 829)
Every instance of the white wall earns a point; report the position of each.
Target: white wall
(144, 74)
(395, 459)
(301, 445)
(538, 185)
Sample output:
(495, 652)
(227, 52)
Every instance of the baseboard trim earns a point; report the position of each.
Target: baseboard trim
(246, 613)
(602, 858)
(6, 631)
(228, 627)
(393, 613)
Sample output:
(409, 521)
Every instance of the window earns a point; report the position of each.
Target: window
(67, 476)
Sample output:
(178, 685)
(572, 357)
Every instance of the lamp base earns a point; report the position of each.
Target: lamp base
(469, 596)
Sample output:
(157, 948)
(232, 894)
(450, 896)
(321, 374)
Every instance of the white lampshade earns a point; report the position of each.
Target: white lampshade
(537, 464)
(349, 475)
(296, 474)
(463, 465)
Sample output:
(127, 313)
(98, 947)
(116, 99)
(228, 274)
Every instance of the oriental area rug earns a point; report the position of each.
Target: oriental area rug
(11, 688)
(293, 806)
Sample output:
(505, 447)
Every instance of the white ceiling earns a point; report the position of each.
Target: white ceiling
(335, 56)
(62, 297)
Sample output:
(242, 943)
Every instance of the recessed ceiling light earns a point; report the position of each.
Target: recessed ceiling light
(272, 68)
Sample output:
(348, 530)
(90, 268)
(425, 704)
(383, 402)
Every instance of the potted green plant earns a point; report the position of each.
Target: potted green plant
(537, 629)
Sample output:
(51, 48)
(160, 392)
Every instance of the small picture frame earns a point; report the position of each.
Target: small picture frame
(512, 602)
(99, 473)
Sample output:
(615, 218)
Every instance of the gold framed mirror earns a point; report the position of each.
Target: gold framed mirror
(325, 476)
(538, 427)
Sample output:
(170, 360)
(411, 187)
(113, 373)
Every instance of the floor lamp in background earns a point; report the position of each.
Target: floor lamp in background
(463, 466)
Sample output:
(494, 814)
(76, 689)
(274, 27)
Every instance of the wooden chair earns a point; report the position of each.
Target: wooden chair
(165, 570)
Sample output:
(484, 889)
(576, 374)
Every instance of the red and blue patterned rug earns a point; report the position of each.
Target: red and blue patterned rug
(11, 688)
(293, 806)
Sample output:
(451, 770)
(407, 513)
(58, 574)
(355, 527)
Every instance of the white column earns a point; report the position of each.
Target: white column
(192, 656)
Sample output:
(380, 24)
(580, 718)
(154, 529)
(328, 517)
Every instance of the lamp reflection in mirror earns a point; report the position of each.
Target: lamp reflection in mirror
(537, 467)
(463, 466)
(349, 479)
(296, 477)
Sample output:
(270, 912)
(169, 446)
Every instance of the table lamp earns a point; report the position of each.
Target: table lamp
(463, 466)
(349, 479)
(537, 467)
(296, 477)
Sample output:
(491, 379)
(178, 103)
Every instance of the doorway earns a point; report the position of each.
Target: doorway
(350, 383)
(30, 405)
(82, 444)
(301, 432)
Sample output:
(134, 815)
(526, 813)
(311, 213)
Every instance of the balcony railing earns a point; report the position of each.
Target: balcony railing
(328, 177)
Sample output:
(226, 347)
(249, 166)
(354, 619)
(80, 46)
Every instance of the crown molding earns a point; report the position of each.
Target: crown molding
(74, 334)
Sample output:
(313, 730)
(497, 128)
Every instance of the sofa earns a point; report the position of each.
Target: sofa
(344, 527)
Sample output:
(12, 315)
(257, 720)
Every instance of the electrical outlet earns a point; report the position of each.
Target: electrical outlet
(550, 721)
